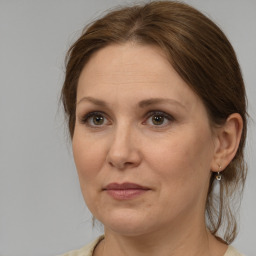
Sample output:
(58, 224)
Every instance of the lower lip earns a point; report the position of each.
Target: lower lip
(125, 194)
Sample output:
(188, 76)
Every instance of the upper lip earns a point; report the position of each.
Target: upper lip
(124, 186)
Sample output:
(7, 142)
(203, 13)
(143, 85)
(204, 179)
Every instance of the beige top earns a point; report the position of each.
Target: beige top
(88, 250)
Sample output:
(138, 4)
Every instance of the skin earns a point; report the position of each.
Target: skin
(173, 160)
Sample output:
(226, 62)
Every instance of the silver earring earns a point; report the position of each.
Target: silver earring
(218, 175)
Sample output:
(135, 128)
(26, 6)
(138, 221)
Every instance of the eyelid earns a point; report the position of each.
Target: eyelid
(84, 119)
(159, 112)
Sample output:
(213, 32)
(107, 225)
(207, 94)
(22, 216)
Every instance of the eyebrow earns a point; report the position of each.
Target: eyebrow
(142, 104)
(152, 101)
(94, 101)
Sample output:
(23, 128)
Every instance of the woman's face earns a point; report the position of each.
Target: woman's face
(142, 144)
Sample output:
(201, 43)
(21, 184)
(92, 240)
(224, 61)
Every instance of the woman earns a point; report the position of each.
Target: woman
(156, 110)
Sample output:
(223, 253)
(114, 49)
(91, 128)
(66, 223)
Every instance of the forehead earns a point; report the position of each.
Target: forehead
(131, 69)
(129, 60)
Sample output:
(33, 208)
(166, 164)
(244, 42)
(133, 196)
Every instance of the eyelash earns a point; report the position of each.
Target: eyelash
(85, 120)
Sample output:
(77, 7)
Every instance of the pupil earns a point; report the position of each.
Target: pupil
(158, 120)
(98, 120)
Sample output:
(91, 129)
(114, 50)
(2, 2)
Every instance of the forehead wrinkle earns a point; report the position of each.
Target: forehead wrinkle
(119, 76)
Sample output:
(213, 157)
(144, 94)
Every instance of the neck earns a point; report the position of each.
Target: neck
(169, 242)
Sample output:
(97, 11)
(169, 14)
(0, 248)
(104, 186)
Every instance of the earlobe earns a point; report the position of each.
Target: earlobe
(228, 135)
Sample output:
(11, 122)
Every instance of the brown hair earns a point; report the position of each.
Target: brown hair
(202, 55)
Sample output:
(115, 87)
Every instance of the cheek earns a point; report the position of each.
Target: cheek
(88, 157)
(184, 173)
(183, 159)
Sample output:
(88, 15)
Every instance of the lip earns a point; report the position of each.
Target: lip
(125, 191)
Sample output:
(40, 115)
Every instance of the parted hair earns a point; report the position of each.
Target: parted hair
(203, 57)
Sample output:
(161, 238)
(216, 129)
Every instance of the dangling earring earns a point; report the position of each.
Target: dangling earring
(218, 175)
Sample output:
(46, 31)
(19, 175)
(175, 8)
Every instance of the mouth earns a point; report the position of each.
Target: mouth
(125, 191)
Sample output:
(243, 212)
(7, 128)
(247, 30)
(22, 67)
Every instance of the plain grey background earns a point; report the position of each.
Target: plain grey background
(42, 212)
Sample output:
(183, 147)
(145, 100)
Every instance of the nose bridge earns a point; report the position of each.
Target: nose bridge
(122, 140)
(123, 150)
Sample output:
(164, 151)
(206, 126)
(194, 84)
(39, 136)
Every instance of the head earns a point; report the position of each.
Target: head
(198, 53)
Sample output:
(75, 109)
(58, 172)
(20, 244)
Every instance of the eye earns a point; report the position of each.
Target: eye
(98, 120)
(95, 119)
(158, 118)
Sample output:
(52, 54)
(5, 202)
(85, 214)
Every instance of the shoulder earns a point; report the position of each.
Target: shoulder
(86, 250)
(231, 251)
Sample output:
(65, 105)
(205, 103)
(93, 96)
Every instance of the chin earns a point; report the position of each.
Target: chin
(126, 222)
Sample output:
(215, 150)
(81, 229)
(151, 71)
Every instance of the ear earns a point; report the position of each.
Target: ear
(228, 138)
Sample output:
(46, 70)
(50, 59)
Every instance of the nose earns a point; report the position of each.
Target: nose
(124, 150)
